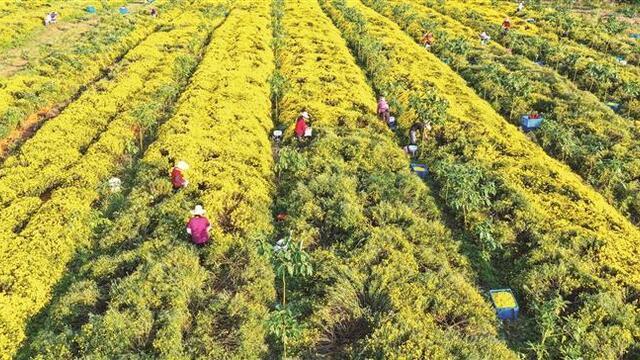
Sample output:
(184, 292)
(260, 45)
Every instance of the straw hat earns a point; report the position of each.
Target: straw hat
(198, 211)
(182, 165)
(305, 115)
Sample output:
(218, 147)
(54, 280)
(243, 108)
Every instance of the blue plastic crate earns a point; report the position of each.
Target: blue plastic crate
(123, 10)
(91, 9)
(613, 105)
(529, 124)
(505, 313)
(635, 36)
(420, 169)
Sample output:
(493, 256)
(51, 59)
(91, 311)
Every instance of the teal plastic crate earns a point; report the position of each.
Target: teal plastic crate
(529, 123)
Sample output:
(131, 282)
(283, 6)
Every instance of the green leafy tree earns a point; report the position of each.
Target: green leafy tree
(465, 187)
(428, 106)
(279, 87)
(290, 261)
(612, 26)
(517, 84)
(145, 117)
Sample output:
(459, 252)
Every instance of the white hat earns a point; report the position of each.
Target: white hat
(198, 210)
(182, 165)
(305, 115)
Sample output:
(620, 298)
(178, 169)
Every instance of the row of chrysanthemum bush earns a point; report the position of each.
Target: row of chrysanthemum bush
(51, 82)
(388, 278)
(577, 128)
(589, 69)
(59, 177)
(608, 34)
(533, 225)
(145, 290)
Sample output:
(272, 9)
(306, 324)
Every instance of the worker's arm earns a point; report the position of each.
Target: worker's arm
(188, 230)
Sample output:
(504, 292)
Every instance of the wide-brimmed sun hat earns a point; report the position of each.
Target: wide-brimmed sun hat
(182, 165)
(198, 210)
(305, 115)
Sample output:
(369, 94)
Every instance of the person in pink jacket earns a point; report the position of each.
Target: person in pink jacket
(383, 109)
(198, 226)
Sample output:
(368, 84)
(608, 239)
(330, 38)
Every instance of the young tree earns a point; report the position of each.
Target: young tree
(290, 261)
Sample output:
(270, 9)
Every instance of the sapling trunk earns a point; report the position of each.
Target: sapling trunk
(284, 306)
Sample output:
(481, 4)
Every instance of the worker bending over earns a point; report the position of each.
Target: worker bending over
(506, 25)
(383, 109)
(198, 226)
(484, 38)
(177, 176)
(51, 18)
(427, 40)
(302, 128)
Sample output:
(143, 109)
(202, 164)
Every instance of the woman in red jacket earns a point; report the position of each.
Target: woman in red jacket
(301, 125)
(177, 176)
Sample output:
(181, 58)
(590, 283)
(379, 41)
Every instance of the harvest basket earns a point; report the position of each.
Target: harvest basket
(91, 9)
(277, 134)
(123, 10)
(505, 303)
(528, 123)
(621, 60)
(308, 132)
(613, 105)
(420, 169)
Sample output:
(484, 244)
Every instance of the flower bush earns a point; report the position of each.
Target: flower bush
(578, 129)
(588, 69)
(56, 79)
(145, 282)
(538, 228)
(41, 232)
(388, 279)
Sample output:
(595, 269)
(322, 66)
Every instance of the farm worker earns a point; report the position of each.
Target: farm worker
(520, 7)
(413, 132)
(427, 40)
(383, 109)
(411, 149)
(484, 38)
(198, 226)
(506, 25)
(115, 185)
(177, 177)
(51, 18)
(154, 12)
(301, 124)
